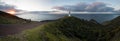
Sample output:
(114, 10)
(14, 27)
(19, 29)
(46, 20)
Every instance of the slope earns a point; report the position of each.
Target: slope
(68, 29)
(6, 18)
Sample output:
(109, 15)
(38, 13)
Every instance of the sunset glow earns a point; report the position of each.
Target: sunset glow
(11, 12)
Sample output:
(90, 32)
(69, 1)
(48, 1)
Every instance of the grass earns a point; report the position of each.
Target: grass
(67, 29)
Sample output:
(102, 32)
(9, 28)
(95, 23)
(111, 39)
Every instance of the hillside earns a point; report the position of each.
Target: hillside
(68, 29)
(114, 22)
(6, 18)
(114, 28)
(75, 29)
(11, 24)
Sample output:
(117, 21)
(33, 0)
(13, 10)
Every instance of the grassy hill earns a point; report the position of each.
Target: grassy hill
(69, 29)
(6, 18)
(114, 26)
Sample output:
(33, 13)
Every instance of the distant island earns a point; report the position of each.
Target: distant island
(68, 28)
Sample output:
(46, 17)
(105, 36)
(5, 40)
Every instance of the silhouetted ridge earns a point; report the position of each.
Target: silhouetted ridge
(6, 18)
(93, 21)
(4, 14)
(114, 28)
(115, 22)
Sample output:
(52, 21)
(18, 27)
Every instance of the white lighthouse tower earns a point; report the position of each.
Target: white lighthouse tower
(69, 13)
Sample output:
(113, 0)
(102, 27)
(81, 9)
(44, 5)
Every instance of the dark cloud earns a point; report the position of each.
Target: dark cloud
(5, 7)
(93, 7)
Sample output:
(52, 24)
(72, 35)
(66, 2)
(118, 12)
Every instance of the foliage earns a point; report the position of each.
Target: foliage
(69, 29)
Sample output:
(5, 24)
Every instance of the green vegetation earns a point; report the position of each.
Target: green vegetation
(69, 29)
(66, 29)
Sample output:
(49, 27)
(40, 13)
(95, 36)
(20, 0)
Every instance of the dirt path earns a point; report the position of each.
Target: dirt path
(10, 29)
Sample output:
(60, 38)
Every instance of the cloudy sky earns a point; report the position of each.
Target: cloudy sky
(49, 5)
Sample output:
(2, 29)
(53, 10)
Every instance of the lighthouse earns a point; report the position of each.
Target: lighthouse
(69, 13)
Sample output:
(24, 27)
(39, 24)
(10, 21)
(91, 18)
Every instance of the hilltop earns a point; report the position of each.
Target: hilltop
(66, 29)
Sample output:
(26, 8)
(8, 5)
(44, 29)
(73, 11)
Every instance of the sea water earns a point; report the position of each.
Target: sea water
(42, 17)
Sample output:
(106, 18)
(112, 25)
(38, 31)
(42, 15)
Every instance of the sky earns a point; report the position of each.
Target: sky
(50, 5)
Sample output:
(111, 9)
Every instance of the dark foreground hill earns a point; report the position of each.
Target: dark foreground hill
(114, 28)
(6, 18)
(68, 29)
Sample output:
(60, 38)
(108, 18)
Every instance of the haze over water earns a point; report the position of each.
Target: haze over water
(41, 17)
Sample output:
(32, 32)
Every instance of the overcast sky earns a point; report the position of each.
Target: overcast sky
(48, 5)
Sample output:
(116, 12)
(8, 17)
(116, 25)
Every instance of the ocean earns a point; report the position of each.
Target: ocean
(41, 17)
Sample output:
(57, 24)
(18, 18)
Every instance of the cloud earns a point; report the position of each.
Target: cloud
(80, 7)
(5, 7)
